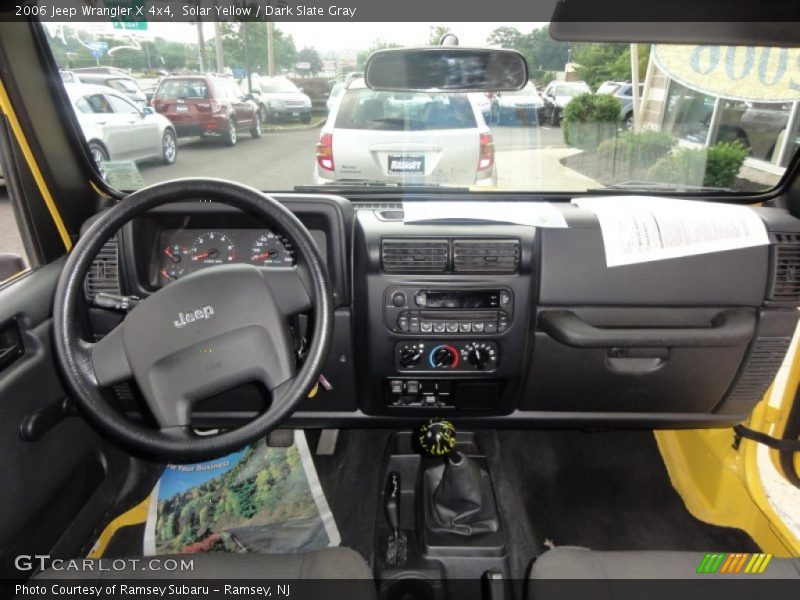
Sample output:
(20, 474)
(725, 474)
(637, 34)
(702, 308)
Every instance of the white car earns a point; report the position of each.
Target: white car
(116, 129)
(558, 94)
(521, 106)
(405, 138)
(334, 95)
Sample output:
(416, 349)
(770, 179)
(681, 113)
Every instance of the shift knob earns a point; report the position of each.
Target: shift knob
(437, 437)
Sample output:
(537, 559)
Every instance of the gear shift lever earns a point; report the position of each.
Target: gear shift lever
(459, 498)
(391, 503)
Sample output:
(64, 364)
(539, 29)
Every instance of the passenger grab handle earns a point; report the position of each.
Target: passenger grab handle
(728, 329)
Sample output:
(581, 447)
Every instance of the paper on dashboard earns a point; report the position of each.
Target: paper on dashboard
(534, 214)
(643, 228)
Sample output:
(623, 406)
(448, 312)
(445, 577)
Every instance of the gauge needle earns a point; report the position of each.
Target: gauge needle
(263, 256)
(209, 253)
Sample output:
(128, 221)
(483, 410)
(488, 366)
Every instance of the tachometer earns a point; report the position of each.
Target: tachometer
(213, 248)
(272, 249)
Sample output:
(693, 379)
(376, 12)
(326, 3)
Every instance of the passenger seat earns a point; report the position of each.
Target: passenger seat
(570, 562)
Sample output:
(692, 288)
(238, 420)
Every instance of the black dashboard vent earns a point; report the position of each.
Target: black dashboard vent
(485, 256)
(786, 275)
(414, 256)
(103, 275)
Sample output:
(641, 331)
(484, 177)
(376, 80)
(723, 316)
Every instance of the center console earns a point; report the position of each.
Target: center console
(445, 315)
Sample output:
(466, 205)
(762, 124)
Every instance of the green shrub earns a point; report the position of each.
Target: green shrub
(628, 156)
(716, 166)
(589, 119)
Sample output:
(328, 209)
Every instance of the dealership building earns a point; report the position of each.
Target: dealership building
(706, 94)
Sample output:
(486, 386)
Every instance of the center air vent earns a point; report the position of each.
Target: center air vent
(103, 275)
(414, 256)
(485, 256)
(786, 276)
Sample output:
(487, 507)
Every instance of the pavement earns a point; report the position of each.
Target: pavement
(527, 159)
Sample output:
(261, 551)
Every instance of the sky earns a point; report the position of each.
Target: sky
(335, 37)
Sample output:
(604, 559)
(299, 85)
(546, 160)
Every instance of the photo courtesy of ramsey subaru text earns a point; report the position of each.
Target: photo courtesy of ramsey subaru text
(400, 301)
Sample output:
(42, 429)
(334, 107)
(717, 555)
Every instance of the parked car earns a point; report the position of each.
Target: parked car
(557, 95)
(624, 92)
(280, 99)
(116, 80)
(207, 104)
(405, 137)
(116, 129)
(520, 107)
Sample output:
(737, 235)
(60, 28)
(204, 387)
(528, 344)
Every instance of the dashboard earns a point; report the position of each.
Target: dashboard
(494, 323)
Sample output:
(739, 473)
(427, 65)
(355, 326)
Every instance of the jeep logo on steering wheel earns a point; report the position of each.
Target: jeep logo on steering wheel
(188, 318)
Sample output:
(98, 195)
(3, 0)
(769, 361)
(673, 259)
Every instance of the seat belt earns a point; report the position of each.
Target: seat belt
(762, 438)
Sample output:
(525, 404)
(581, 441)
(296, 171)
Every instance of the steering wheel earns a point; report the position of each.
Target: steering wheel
(203, 334)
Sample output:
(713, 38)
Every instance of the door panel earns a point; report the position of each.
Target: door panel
(55, 489)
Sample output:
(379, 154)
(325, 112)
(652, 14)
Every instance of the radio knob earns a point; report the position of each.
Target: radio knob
(444, 357)
(398, 299)
(410, 357)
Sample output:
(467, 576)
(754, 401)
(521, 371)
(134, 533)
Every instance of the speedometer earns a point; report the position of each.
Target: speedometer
(213, 248)
(272, 249)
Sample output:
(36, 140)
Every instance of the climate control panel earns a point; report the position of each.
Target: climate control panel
(450, 356)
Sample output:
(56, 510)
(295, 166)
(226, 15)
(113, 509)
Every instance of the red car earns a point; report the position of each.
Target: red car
(206, 104)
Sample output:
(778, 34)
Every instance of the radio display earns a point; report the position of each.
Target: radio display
(462, 299)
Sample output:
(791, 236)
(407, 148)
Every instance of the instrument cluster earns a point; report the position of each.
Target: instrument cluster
(183, 251)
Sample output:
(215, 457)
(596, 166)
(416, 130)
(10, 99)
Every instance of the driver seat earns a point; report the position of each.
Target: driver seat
(327, 563)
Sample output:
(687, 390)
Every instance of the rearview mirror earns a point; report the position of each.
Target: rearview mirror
(446, 69)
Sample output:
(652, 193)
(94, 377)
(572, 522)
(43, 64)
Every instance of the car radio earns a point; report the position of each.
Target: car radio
(472, 311)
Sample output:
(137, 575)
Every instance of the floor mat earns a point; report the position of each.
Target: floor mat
(602, 490)
(259, 499)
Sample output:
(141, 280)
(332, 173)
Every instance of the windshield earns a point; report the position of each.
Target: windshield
(706, 117)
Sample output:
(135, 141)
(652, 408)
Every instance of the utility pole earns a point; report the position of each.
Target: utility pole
(637, 110)
(271, 48)
(201, 42)
(247, 56)
(218, 46)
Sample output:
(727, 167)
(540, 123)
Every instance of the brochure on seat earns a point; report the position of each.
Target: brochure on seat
(259, 499)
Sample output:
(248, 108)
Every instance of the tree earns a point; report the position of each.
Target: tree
(311, 56)
(362, 57)
(437, 33)
(541, 51)
(233, 47)
(596, 63)
(505, 37)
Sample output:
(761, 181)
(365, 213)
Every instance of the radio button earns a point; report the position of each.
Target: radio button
(426, 326)
(490, 327)
(465, 327)
(421, 298)
(477, 327)
(402, 322)
(505, 298)
(452, 327)
(438, 327)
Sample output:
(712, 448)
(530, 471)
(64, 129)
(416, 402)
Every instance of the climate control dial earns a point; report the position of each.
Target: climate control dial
(444, 356)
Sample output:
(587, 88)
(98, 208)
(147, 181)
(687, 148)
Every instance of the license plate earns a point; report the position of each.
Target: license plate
(295, 114)
(181, 108)
(406, 164)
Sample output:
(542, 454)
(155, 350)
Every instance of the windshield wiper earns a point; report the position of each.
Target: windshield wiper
(650, 186)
